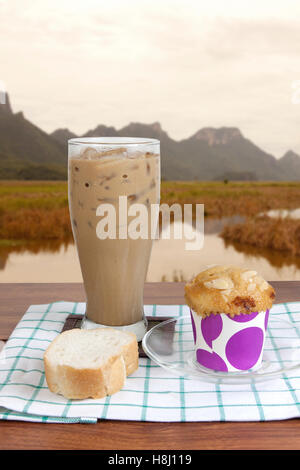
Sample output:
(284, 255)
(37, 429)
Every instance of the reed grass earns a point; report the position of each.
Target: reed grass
(279, 234)
(33, 210)
(35, 224)
(225, 200)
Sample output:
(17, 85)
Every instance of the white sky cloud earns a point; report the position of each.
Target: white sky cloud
(185, 63)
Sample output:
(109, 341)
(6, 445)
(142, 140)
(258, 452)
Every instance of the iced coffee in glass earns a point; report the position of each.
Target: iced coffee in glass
(109, 180)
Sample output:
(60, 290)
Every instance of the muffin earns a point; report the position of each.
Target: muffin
(229, 312)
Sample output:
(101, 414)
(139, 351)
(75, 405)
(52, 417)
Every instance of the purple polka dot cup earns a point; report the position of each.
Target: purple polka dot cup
(230, 344)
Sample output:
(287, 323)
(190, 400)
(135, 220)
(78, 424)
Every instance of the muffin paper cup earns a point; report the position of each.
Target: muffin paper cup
(230, 344)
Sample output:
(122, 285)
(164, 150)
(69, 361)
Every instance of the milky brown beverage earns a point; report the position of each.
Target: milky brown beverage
(114, 270)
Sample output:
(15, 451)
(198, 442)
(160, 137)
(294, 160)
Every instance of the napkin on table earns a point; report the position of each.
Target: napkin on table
(151, 393)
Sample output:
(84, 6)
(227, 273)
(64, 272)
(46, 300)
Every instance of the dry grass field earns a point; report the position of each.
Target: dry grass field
(35, 211)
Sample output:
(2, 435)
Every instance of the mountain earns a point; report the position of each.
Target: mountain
(102, 131)
(216, 153)
(209, 154)
(223, 135)
(62, 136)
(6, 106)
(27, 152)
(290, 165)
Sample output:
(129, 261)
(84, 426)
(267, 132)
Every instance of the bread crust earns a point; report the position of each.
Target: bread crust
(81, 383)
(130, 353)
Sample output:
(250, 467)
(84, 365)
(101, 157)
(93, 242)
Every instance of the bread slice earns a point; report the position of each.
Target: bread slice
(90, 363)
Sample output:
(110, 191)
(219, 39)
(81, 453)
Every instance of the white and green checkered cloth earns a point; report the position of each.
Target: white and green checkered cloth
(151, 393)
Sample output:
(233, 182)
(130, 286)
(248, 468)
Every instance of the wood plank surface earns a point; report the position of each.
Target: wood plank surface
(16, 298)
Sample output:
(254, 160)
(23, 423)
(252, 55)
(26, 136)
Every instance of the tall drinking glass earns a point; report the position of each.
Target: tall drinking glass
(108, 180)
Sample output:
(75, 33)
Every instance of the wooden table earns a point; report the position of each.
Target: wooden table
(15, 299)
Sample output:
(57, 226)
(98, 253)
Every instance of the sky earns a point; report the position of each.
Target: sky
(185, 63)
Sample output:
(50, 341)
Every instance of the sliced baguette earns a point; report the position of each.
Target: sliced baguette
(90, 363)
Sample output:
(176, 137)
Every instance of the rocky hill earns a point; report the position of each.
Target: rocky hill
(27, 152)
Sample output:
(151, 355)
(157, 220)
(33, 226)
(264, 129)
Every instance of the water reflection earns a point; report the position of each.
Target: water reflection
(277, 259)
(171, 262)
(283, 213)
(56, 261)
(217, 225)
(35, 247)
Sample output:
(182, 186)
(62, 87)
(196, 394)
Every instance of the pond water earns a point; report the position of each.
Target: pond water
(283, 213)
(170, 261)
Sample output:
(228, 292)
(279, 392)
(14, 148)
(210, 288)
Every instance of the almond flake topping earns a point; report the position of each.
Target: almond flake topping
(251, 287)
(246, 275)
(219, 283)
